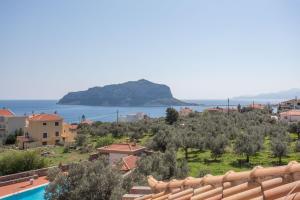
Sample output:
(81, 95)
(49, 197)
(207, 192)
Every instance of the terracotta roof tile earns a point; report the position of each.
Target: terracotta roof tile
(6, 113)
(45, 117)
(291, 113)
(129, 162)
(258, 184)
(122, 148)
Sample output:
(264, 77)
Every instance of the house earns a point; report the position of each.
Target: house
(46, 129)
(220, 110)
(184, 112)
(289, 105)
(280, 183)
(9, 122)
(256, 106)
(116, 152)
(290, 116)
(69, 133)
(133, 117)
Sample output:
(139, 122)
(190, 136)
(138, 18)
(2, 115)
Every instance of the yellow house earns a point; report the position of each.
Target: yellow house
(44, 129)
(69, 133)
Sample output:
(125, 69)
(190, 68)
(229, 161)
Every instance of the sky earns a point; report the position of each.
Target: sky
(210, 49)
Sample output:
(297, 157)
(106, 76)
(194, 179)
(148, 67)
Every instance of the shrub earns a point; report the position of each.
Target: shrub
(104, 141)
(297, 146)
(14, 162)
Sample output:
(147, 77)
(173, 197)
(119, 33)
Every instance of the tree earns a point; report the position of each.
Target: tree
(295, 128)
(85, 181)
(279, 146)
(80, 139)
(164, 139)
(217, 146)
(171, 115)
(248, 144)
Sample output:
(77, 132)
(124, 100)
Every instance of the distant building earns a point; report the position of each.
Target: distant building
(290, 116)
(45, 129)
(256, 106)
(133, 117)
(184, 112)
(9, 122)
(222, 110)
(289, 105)
(116, 152)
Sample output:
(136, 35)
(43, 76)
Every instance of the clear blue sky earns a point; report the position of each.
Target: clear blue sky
(201, 49)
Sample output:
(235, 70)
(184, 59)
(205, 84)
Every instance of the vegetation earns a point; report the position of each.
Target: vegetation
(19, 161)
(85, 181)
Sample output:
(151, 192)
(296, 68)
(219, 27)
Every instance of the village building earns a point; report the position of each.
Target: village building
(133, 117)
(69, 133)
(221, 110)
(9, 122)
(116, 152)
(45, 129)
(256, 106)
(184, 112)
(290, 116)
(289, 105)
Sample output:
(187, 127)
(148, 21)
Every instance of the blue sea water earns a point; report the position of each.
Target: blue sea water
(73, 113)
(34, 194)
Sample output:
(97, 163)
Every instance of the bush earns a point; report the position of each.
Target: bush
(297, 146)
(14, 162)
(104, 141)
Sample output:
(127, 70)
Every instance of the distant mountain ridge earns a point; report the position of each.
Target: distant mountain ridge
(132, 93)
(286, 94)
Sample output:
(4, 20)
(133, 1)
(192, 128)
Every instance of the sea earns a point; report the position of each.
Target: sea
(73, 113)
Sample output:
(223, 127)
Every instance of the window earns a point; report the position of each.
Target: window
(56, 133)
(56, 141)
(44, 143)
(45, 135)
(56, 123)
(44, 123)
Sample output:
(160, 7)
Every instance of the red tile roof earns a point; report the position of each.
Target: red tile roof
(129, 162)
(291, 113)
(6, 113)
(125, 148)
(45, 117)
(260, 183)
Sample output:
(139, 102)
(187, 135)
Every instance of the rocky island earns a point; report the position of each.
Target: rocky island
(132, 93)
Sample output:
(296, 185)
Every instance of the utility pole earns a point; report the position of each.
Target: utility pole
(228, 106)
(295, 102)
(117, 116)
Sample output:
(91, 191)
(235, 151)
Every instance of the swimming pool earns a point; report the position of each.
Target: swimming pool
(30, 194)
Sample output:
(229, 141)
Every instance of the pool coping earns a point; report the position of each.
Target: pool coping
(9, 195)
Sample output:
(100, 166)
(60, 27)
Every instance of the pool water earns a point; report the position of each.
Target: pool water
(34, 194)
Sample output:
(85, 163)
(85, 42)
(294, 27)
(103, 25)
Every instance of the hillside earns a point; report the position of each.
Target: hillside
(132, 93)
(287, 94)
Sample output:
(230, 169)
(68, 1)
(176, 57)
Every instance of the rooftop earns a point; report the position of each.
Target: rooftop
(6, 113)
(291, 113)
(129, 162)
(127, 148)
(45, 117)
(260, 184)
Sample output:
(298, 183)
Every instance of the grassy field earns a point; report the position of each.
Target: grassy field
(202, 163)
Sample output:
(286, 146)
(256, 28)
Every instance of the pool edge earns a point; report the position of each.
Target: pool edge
(9, 195)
